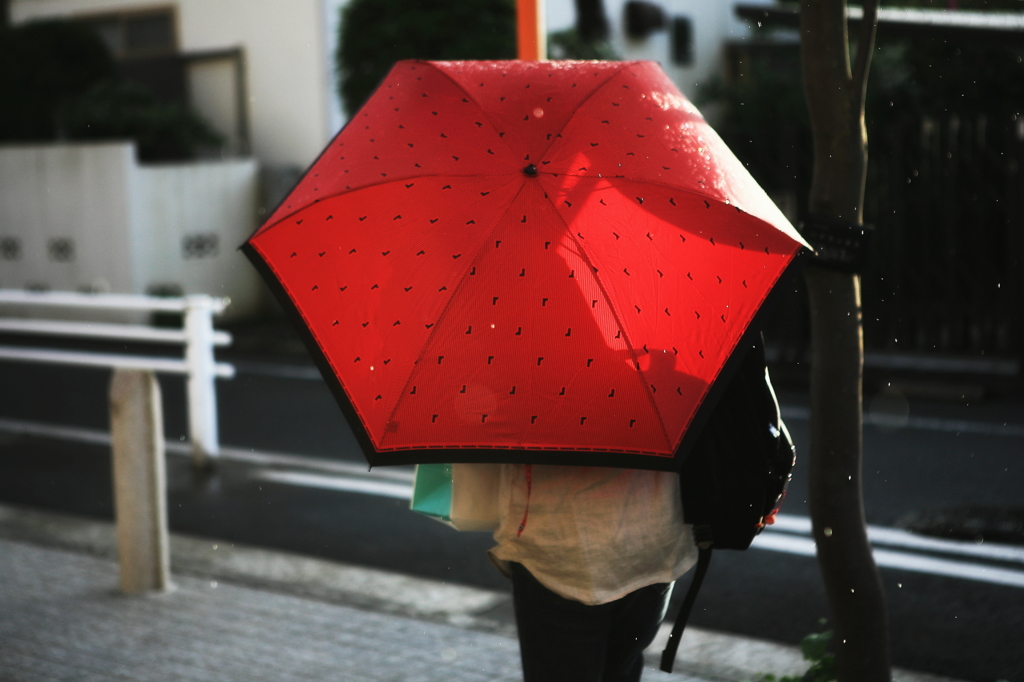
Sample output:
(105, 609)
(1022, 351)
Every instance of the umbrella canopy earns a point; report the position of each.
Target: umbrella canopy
(525, 261)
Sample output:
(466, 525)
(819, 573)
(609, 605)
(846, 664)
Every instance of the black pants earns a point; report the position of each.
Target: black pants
(562, 640)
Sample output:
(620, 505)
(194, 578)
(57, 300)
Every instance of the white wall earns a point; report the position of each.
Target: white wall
(75, 194)
(289, 50)
(285, 69)
(131, 227)
(188, 221)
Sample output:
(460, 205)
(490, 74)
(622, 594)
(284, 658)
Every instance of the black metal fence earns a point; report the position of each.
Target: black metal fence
(946, 195)
(945, 192)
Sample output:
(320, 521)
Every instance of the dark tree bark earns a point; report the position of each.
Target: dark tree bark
(835, 99)
(591, 20)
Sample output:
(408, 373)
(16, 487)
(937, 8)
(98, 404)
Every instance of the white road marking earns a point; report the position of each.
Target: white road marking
(795, 412)
(918, 563)
(896, 537)
(248, 455)
(282, 459)
(345, 483)
(801, 413)
(790, 534)
(73, 433)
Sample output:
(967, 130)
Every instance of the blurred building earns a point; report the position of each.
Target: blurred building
(260, 71)
(687, 37)
(89, 217)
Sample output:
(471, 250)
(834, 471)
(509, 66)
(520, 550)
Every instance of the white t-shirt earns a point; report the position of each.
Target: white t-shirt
(592, 534)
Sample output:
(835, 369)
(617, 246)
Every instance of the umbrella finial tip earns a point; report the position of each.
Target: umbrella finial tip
(530, 170)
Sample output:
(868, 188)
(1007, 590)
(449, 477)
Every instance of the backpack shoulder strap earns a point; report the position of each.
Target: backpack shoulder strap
(668, 656)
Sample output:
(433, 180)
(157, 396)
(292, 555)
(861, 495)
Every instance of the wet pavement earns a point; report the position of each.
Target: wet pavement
(243, 613)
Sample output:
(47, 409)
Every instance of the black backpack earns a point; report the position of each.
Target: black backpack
(735, 475)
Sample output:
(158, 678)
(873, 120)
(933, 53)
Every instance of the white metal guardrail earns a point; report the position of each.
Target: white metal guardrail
(197, 335)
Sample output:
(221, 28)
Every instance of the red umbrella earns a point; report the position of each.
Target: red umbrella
(525, 261)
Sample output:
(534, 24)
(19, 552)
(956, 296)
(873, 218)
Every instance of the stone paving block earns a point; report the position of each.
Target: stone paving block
(64, 619)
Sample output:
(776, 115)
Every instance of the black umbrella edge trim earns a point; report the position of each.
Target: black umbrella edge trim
(315, 352)
(529, 455)
(610, 458)
(750, 337)
(302, 176)
(614, 458)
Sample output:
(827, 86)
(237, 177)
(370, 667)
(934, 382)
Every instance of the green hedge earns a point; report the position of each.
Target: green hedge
(374, 34)
(58, 81)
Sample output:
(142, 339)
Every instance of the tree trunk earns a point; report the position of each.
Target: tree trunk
(835, 98)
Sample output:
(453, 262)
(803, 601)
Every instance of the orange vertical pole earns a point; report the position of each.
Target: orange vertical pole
(531, 37)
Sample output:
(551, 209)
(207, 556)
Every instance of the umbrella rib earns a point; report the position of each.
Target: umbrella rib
(483, 112)
(553, 139)
(583, 103)
(444, 311)
(615, 316)
(405, 179)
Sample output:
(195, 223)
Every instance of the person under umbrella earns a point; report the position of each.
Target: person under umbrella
(545, 265)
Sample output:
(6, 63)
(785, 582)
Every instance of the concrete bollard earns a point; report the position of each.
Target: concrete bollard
(140, 499)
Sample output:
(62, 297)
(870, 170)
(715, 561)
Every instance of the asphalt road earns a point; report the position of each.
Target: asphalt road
(953, 610)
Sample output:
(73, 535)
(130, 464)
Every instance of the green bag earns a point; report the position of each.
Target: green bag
(432, 491)
(463, 496)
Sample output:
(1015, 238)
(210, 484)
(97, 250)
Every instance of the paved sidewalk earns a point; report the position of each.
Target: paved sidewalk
(248, 614)
(62, 618)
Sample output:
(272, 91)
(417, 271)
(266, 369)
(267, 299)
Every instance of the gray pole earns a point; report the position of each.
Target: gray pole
(140, 501)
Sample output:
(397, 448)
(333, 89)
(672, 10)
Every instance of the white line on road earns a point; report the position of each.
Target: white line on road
(793, 544)
(73, 433)
(795, 412)
(787, 535)
(248, 455)
(800, 413)
(896, 537)
(352, 485)
(282, 459)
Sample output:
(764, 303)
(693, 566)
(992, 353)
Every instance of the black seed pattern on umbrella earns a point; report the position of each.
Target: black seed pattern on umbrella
(631, 333)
